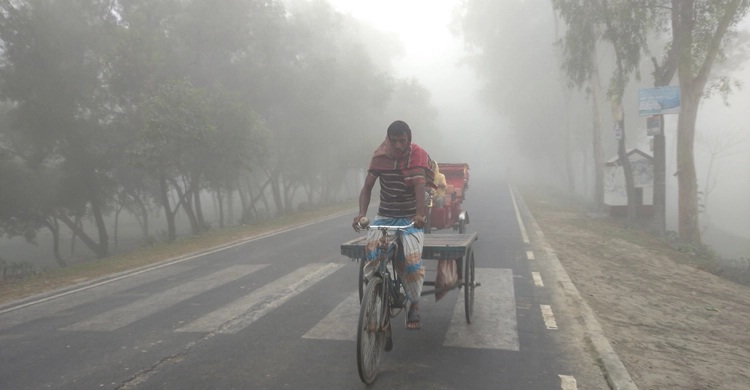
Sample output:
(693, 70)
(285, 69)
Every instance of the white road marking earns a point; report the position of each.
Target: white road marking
(530, 255)
(568, 382)
(50, 307)
(493, 323)
(234, 317)
(549, 318)
(524, 235)
(537, 279)
(340, 323)
(126, 315)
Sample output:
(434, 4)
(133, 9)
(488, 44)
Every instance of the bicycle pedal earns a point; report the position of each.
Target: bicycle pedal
(400, 301)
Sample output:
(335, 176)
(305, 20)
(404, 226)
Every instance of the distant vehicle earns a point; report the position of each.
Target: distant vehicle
(450, 214)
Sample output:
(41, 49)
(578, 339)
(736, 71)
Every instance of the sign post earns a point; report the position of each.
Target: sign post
(654, 103)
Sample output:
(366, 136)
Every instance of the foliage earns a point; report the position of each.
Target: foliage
(16, 270)
(104, 102)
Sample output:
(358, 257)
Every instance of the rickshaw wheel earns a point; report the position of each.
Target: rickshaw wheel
(371, 336)
(469, 285)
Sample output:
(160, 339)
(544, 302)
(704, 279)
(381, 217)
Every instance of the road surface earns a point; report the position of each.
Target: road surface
(280, 311)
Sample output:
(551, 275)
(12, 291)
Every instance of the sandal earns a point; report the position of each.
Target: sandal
(412, 319)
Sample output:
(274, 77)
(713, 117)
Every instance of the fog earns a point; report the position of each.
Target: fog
(436, 56)
(286, 101)
(471, 131)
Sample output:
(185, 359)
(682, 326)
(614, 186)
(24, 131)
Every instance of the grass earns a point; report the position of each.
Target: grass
(12, 290)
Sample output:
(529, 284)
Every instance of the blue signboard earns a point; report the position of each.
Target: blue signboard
(656, 101)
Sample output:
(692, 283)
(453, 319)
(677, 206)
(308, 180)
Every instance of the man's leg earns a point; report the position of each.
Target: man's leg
(412, 274)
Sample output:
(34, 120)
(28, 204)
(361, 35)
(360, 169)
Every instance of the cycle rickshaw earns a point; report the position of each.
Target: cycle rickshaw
(380, 295)
(447, 213)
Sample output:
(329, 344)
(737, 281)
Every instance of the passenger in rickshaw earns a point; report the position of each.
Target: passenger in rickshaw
(440, 184)
(404, 170)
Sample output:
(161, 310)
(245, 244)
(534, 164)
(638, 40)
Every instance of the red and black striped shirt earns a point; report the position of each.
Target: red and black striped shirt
(397, 199)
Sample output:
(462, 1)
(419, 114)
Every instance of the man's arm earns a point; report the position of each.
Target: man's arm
(364, 199)
(419, 193)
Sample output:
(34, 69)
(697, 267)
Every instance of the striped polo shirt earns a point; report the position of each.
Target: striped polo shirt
(396, 198)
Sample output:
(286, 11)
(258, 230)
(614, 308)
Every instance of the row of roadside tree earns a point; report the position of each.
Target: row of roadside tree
(142, 105)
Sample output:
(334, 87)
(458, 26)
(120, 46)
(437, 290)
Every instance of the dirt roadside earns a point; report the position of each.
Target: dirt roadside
(673, 325)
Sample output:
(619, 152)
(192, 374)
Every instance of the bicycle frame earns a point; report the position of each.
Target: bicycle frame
(387, 255)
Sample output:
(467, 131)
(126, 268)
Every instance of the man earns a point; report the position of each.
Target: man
(404, 171)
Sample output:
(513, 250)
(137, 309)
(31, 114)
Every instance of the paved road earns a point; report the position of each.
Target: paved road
(280, 311)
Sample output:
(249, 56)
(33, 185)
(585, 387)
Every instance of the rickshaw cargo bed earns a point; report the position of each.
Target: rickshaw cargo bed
(436, 246)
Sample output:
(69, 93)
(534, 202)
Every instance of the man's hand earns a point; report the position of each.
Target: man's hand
(419, 220)
(355, 224)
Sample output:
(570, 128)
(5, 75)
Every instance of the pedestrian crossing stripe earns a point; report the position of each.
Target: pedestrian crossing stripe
(244, 311)
(493, 326)
(494, 323)
(126, 315)
(58, 303)
(340, 323)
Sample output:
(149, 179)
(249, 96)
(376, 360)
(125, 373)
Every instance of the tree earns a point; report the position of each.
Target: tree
(718, 144)
(176, 133)
(625, 25)
(580, 63)
(53, 70)
(699, 32)
(510, 48)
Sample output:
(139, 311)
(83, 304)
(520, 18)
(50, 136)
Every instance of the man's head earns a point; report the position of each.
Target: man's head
(399, 135)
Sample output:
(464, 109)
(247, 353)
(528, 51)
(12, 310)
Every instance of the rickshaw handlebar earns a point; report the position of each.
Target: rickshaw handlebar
(364, 223)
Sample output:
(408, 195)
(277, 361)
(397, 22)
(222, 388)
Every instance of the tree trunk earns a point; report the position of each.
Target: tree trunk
(220, 201)
(144, 215)
(627, 170)
(622, 155)
(164, 194)
(568, 154)
(75, 236)
(116, 223)
(202, 225)
(187, 203)
(102, 250)
(230, 206)
(688, 224)
(276, 191)
(54, 227)
(596, 97)
(243, 200)
(691, 89)
(88, 241)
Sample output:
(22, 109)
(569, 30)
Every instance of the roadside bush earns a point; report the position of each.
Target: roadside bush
(705, 258)
(17, 270)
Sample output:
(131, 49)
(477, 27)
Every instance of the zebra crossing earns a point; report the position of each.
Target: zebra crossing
(494, 324)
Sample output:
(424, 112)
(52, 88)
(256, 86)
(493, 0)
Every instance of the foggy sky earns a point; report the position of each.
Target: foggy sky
(433, 56)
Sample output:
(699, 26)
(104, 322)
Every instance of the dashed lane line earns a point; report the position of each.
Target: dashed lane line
(549, 317)
(537, 279)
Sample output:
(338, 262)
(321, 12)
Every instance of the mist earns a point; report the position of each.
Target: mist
(474, 129)
(156, 123)
(467, 128)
